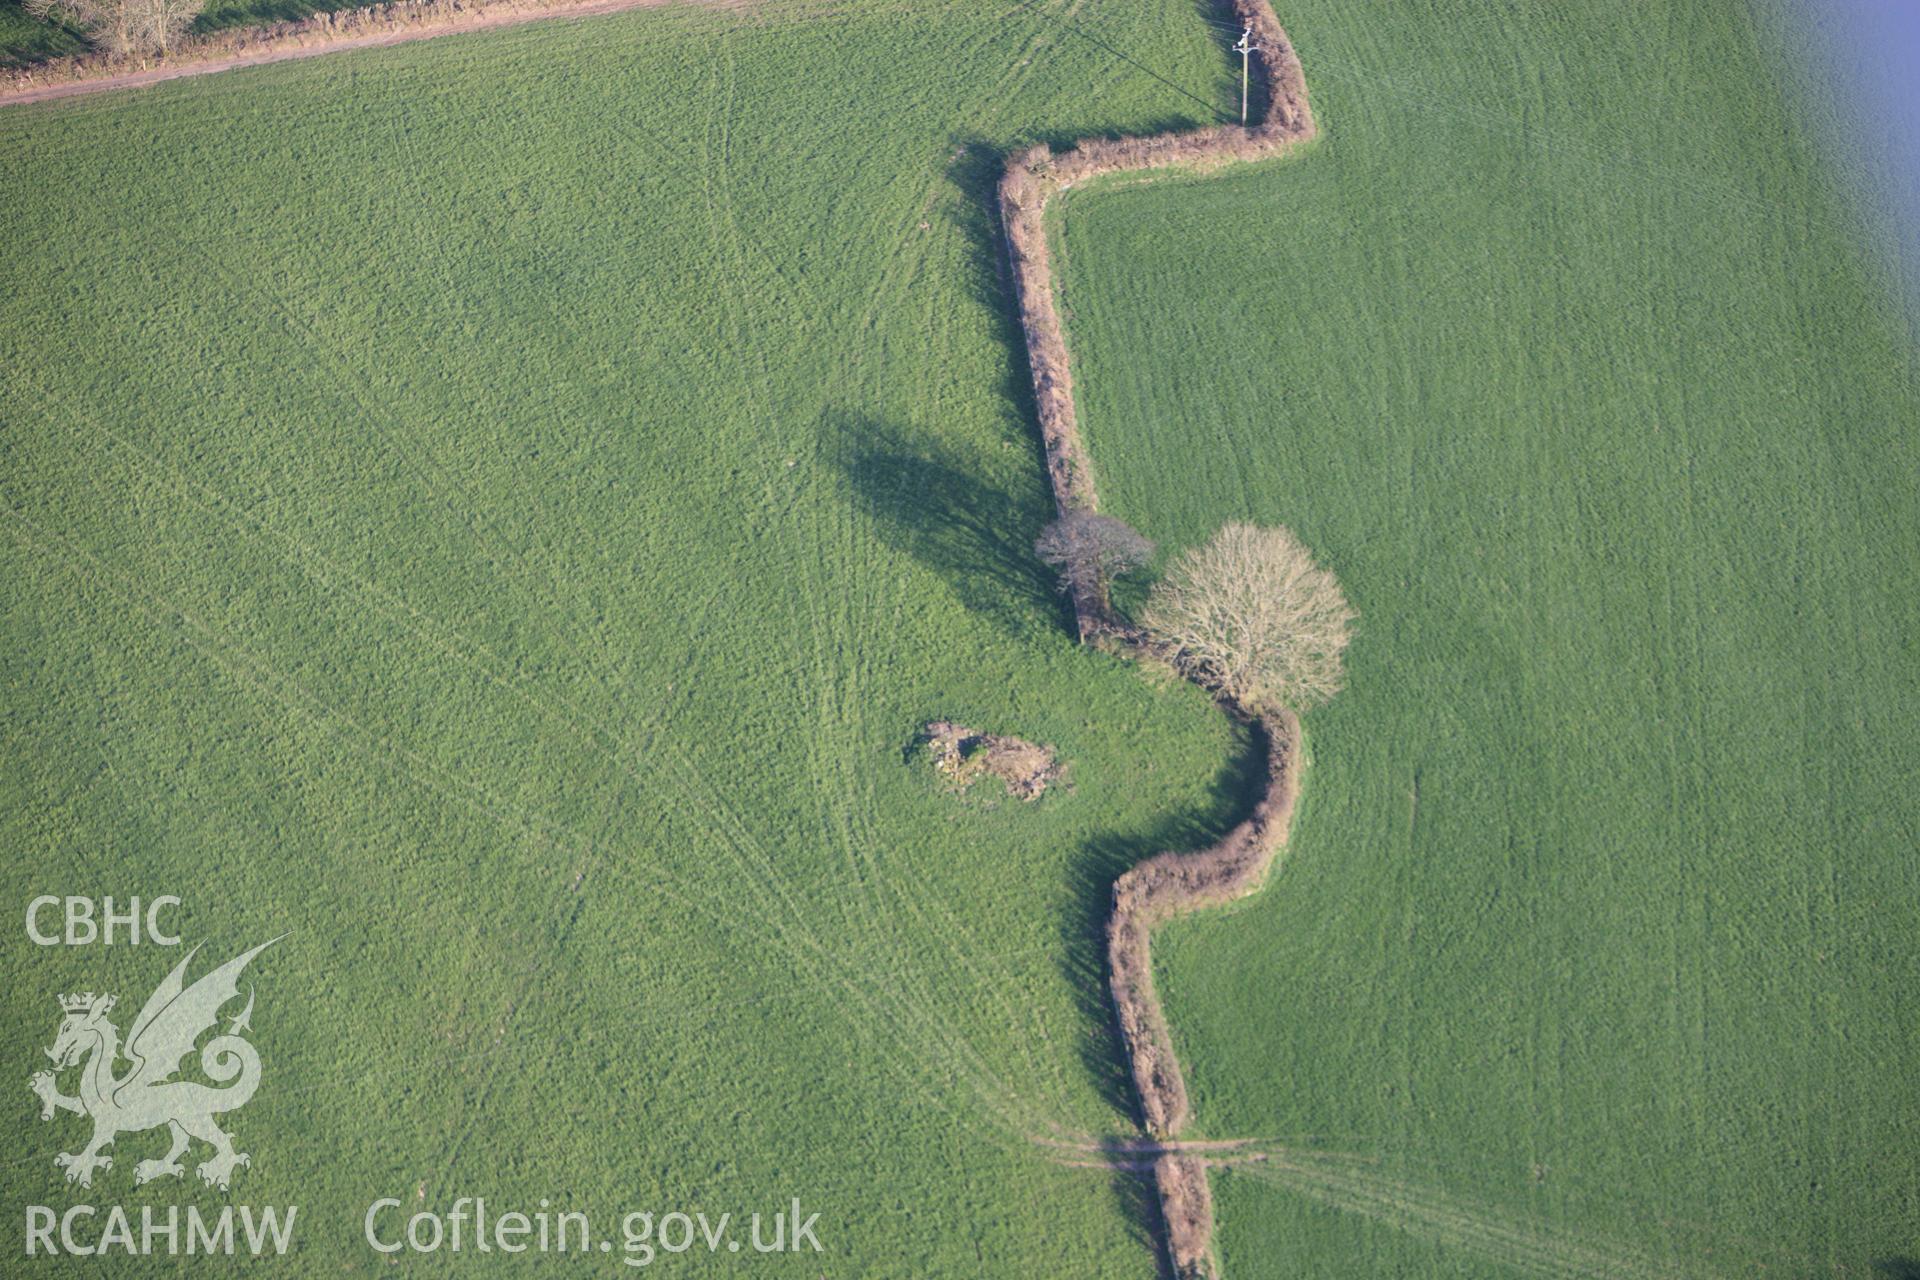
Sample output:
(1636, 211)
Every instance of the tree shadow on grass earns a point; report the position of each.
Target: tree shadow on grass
(940, 507)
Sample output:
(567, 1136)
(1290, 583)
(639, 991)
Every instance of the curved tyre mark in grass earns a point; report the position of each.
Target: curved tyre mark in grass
(1168, 884)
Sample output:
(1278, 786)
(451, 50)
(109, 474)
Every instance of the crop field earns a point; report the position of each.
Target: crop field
(498, 511)
(1593, 953)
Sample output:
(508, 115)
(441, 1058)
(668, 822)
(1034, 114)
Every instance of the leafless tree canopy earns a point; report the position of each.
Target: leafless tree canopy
(124, 26)
(162, 22)
(1090, 551)
(1252, 615)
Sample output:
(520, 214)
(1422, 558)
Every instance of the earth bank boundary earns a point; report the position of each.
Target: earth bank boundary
(1168, 884)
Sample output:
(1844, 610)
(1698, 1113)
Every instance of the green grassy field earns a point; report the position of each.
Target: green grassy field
(498, 510)
(1594, 949)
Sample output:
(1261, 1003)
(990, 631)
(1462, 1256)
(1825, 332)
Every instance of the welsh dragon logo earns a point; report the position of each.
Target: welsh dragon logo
(147, 1096)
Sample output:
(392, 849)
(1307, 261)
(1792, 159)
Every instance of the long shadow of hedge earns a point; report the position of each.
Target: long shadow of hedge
(1228, 800)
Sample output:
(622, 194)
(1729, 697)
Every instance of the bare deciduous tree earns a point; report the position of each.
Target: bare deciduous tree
(1252, 615)
(1090, 551)
(158, 23)
(104, 22)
